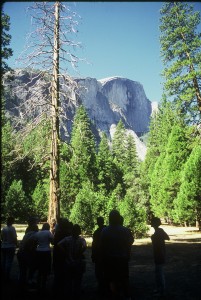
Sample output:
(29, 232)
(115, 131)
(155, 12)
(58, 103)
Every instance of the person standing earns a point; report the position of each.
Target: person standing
(32, 221)
(158, 242)
(26, 256)
(43, 254)
(74, 247)
(62, 229)
(96, 255)
(8, 247)
(116, 241)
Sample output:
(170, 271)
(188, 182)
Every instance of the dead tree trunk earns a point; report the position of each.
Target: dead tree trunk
(54, 201)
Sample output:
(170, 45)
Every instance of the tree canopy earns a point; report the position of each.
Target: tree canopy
(181, 54)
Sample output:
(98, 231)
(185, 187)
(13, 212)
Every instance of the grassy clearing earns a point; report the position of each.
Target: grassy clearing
(182, 270)
(173, 231)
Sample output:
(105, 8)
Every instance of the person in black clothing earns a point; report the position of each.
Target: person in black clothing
(115, 242)
(158, 242)
(63, 229)
(96, 255)
(26, 257)
(73, 247)
(32, 221)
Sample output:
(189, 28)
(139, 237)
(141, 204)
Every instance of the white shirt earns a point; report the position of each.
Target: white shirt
(44, 238)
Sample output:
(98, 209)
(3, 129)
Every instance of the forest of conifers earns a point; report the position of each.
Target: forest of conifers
(97, 177)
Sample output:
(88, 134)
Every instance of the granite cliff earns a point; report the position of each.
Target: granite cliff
(106, 101)
(111, 99)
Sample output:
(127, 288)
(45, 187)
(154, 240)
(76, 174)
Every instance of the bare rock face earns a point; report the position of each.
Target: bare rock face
(106, 101)
(111, 99)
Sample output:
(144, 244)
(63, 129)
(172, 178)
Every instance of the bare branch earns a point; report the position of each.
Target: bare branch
(45, 90)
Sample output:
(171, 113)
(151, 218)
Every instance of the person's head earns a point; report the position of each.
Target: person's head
(100, 221)
(76, 230)
(62, 222)
(32, 227)
(114, 217)
(10, 221)
(64, 225)
(46, 226)
(155, 222)
(32, 220)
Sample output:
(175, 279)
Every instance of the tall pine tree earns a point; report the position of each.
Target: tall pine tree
(181, 52)
(131, 163)
(83, 161)
(188, 202)
(6, 51)
(107, 170)
(151, 173)
(165, 181)
(119, 144)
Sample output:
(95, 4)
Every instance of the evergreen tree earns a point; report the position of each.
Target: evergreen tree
(7, 145)
(114, 199)
(157, 193)
(28, 176)
(188, 201)
(131, 163)
(133, 211)
(119, 145)
(67, 194)
(180, 49)
(166, 178)
(32, 163)
(88, 205)
(16, 202)
(35, 145)
(7, 157)
(83, 161)
(151, 173)
(160, 128)
(6, 51)
(118, 153)
(40, 199)
(108, 172)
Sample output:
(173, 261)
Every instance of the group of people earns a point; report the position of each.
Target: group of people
(110, 253)
(36, 259)
(111, 249)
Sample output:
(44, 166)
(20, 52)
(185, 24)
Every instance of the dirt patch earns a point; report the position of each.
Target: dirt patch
(182, 270)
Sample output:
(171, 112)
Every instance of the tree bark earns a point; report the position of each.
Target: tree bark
(54, 201)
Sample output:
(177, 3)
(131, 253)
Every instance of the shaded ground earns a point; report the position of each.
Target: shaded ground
(183, 270)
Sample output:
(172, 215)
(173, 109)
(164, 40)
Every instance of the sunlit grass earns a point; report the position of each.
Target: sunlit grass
(175, 233)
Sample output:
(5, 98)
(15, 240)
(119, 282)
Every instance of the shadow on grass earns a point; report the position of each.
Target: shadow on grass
(182, 272)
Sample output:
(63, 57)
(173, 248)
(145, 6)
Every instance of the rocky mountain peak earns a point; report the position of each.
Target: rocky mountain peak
(110, 99)
(107, 101)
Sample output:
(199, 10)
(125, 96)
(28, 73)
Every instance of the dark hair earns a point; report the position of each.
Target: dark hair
(114, 217)
(10, 220)
(76, 230)
(155, 222)
(46, 226)
(100, 221)
(32, 227)
(32, 220)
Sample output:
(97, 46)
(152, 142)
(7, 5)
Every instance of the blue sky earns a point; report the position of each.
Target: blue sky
(118, 38)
